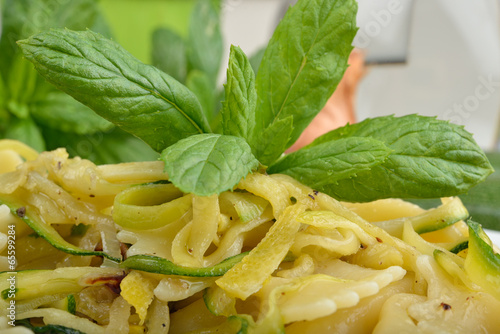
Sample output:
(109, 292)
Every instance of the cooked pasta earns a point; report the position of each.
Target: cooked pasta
(118, 248)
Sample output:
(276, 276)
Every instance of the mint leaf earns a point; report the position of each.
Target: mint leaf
(99, 73)
(208, 164)
(272, 142)
(204, 48)
(325, 164)
(169, 53)
(238, 111)
(430, 158)
(60, 111)
(304, 62)
(201, 85)
(25, 130)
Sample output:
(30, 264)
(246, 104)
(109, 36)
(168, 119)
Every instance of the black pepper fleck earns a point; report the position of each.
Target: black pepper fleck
(445, 306)
(21, 212)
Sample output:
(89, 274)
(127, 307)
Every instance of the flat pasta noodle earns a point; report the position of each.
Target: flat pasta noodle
(314, 264)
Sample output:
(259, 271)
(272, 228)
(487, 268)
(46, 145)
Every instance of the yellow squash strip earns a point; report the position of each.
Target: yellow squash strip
(206, 215)
(248, 276)
(20, 148)
(137, 290)
(451, 211)
(133, 172)
(265, 187)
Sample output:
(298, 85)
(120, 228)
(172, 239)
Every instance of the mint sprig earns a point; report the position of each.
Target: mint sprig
(238, 111)
(430, 158)
(302, 65)
(262, 115)
(327, 163)
(208, 163)
(98, 72)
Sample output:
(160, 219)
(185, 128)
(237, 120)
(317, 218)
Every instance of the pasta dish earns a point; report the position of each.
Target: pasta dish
(118, 248)
(224, 232)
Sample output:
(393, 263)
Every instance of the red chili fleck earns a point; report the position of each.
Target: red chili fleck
(379, 240)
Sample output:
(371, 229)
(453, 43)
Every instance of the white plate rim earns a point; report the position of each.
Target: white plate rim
(494, 236)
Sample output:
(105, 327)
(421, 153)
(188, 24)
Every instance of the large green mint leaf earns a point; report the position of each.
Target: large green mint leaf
(204, 48)
(329, 162)
(169, 53)
(430, 158)
(99, 73)
(60, 111)
(238, 111)
(304, 62)
(208, 164)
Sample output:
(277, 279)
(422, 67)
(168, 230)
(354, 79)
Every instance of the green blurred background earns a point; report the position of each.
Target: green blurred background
(132, 22)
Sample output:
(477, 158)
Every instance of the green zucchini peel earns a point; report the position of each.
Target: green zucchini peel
(47, 232)
(159, 265)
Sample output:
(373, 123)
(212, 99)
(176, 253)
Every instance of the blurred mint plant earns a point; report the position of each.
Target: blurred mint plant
(33, 111)
(195, 60)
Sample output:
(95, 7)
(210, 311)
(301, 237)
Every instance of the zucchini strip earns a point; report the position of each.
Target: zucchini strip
(159, 265)
(482, 264)
(47, 232)
(434, 219)
(57, 329)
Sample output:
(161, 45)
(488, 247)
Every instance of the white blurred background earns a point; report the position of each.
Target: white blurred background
(431, 57)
